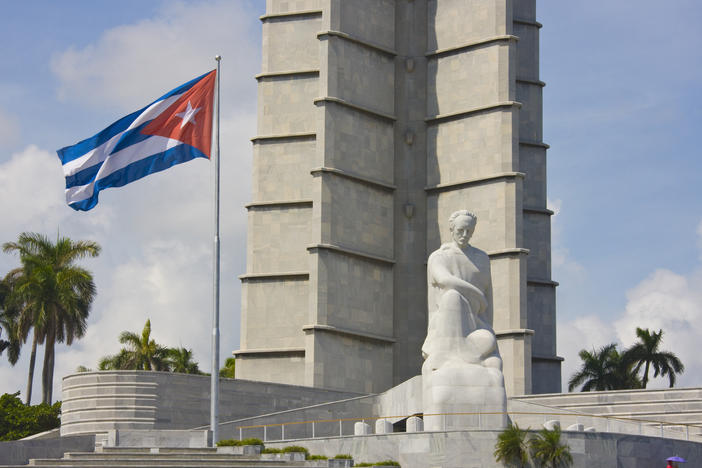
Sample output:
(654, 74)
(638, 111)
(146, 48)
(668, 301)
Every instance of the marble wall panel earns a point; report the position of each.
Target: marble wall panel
(281, 170)
(369, 20)
(478, 146)
(290, 43)
(358, 143)
(279, 309)
(277, 239)
(457, 22)
(285, 105)
(469, 79)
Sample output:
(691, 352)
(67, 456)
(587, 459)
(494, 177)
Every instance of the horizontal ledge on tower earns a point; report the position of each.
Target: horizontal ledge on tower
(284, 275)
(285, 136)
(280, 203)
(470, 45)
(355, 177)
(357, 40)
(463, 113)
(352, 253)
(508, 252)
(538, 144)
(513, 332)
(356, 107)
(290, 14)
(528, 22)
(288, 73)
(468, 182)
(532, 82)
(263, 351)
(542, 282)
(539, 357)
(544, 211)
(348, 332)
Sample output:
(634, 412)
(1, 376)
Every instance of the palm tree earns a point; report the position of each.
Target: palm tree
(229, 369)
(142, 353)
(511, 447)
(604, 369)
(8, 322)
(598, 371)
(54, 293)
(181, 360)
(647, 353)
(547, 449)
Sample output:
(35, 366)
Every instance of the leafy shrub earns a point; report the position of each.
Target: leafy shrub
(380, 463)
(343, 456)
(271, 450)
(18, 420)
(239, 443)
(317, 457)
(295, 448)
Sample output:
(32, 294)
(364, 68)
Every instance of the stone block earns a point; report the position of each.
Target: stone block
(551, 424)
(415, 424)
(383, 426)
(361, 428)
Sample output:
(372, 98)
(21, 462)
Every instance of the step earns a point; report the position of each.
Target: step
(160, 462)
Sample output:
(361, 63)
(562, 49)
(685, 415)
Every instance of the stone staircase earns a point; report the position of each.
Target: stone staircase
(114, 457)
(668, 406)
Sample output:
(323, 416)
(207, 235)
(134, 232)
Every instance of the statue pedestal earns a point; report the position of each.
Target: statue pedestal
(463, 396)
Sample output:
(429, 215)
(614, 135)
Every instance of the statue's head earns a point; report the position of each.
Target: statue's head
(462, 225)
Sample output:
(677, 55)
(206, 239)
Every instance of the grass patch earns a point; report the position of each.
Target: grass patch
(239, 443)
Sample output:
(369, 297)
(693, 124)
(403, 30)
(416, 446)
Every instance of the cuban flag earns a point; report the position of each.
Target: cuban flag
(175, 128)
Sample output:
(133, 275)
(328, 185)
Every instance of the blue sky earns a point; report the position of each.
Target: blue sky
(621, 114)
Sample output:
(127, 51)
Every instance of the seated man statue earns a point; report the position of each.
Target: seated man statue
(462, 371)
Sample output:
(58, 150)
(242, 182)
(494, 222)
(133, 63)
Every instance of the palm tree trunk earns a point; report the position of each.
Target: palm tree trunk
(645, 377)
(47, 380)
(32, 361)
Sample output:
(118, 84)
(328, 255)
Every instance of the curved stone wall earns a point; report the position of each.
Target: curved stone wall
(100, 401)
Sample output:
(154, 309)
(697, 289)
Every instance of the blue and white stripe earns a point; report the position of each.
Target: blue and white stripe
(120, 154)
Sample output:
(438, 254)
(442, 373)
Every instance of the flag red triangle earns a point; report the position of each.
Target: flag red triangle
(189, 119)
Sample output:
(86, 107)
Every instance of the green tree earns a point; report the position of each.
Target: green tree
(547, 449)
(18, 420)
(646, 352)
(55, 294)
(598, 371)
(512, 448)
(142, 353)
(181, 360)
(8, 324)
(229, 369)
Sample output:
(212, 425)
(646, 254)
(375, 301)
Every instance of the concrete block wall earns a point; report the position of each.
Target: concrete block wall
(101, 401)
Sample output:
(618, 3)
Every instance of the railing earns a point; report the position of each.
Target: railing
(471, 421)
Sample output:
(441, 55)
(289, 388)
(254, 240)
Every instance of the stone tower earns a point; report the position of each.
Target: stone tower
(376, 120)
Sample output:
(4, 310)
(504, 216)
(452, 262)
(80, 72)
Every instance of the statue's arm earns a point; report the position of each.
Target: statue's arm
(443, 278)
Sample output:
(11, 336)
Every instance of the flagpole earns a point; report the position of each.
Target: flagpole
(214, 385)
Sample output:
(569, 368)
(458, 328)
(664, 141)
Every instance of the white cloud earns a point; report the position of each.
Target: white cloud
(9, 129)
(130, 65)
(664, 300)
(156, 233)
(588, 332)
(673, 303)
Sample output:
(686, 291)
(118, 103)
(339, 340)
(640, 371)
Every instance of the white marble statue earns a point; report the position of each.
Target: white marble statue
(462, 371)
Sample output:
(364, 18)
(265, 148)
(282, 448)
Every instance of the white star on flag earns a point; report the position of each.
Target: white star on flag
(188, 115)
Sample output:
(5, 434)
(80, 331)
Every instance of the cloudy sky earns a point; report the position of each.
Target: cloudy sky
(621, 113)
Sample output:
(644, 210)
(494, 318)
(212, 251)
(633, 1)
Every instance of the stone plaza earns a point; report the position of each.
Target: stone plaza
(397, 301)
